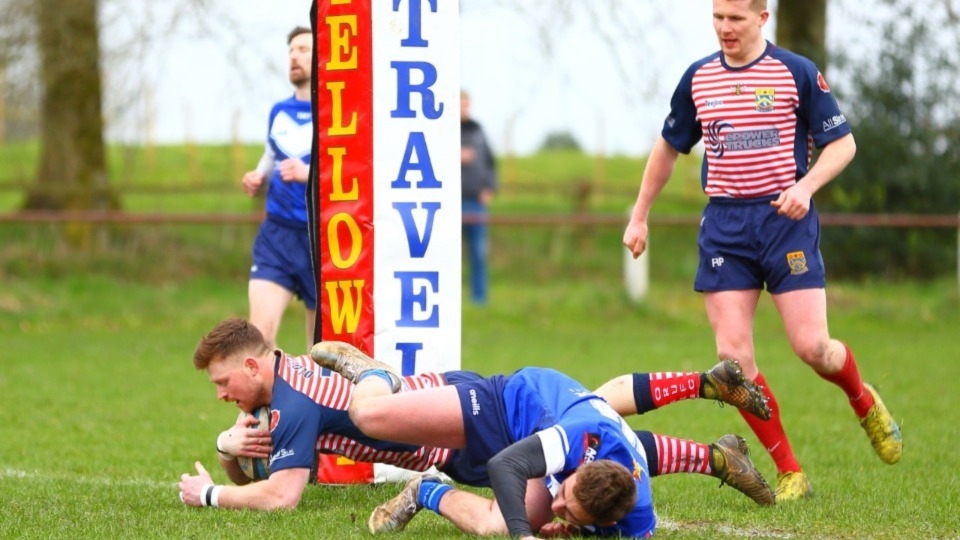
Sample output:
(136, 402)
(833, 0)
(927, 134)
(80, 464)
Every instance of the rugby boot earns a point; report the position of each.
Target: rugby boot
(351, 362)
(793, 485)
(882, 429)
(725, 383)
(730, 461)
(393, 515)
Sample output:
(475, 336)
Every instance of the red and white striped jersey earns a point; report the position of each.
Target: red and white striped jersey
(759, 122)
(310, 406)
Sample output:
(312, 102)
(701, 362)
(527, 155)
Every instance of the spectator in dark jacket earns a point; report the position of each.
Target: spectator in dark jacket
(479, 183)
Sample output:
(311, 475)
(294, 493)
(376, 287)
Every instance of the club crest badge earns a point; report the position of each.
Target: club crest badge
(763, 98)
(797, 262)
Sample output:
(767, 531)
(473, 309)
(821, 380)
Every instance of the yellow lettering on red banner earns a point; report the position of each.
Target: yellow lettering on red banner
(342, 54)
(346, 301)
(336, 174)
(333, 240)
(336, 110)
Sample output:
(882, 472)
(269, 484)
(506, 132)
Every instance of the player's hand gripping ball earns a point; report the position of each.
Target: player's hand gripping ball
(256, 468)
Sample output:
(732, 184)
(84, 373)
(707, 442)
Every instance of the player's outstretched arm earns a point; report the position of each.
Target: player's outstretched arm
(282, 490)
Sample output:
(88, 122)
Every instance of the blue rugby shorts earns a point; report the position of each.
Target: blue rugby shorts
(281, 254)
(746, 245)
(484, 418)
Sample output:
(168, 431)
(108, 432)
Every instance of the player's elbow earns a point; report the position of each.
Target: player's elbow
(280, 496)
(846, 146)
(284, 501)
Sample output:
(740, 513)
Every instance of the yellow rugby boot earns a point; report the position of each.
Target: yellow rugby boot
(793, 485)
(882, 429)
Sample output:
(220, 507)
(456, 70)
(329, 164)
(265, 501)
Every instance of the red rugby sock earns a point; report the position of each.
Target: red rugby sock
(667, 387)
(771, 432)
(849, 380)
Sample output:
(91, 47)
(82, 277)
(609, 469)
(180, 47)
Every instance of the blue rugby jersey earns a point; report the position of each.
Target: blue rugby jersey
(289, 135)
(577, 427)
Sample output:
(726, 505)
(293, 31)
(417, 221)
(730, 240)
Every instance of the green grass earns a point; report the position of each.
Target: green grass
(105, 410)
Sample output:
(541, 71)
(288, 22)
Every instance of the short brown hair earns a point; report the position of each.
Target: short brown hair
(230, 337)
(606, 490)
(297, 30)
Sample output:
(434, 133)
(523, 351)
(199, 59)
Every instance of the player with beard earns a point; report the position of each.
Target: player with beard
(282, 266)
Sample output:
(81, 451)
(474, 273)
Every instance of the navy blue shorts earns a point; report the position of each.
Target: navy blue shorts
(459, 466)
(484, 421)
(746, 245)
(463, 470)
(281, 254)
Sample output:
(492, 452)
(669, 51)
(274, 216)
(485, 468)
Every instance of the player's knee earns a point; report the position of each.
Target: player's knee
(365, 417)
(814, 353)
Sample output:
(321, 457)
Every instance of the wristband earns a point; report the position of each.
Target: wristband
(223, 453)
(210, 495)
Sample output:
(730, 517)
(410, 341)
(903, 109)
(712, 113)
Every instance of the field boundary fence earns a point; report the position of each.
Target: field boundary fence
(635, 271)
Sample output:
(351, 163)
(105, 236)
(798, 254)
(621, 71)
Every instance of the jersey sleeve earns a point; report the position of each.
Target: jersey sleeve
(509, 471)
(568, 445)
(299, 423)
(681, 128)
(818, 106)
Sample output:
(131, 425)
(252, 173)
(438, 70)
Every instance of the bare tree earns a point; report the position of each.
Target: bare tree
(52, 61)
(802, 28)
(72, 171)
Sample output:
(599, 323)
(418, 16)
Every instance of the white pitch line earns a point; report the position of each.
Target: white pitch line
(665, 523)
(137, 482)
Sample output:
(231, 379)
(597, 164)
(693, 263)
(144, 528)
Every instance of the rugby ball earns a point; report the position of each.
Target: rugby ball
(256, 468)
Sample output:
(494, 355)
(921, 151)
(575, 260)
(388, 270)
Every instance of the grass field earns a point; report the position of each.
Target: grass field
(104, 411)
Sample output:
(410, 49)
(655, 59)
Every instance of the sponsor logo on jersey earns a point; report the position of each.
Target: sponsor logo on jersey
(797, 262)
(721, 140)
(834, 121)
(280, 454)
(764, 99)
(714, 136)
(712, 103)
(591, 446)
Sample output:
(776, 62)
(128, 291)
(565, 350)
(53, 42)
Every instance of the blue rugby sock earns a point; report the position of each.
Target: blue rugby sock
(430, 493)
(382, 373)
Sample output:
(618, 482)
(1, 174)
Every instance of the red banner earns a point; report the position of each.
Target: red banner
(342, 171)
